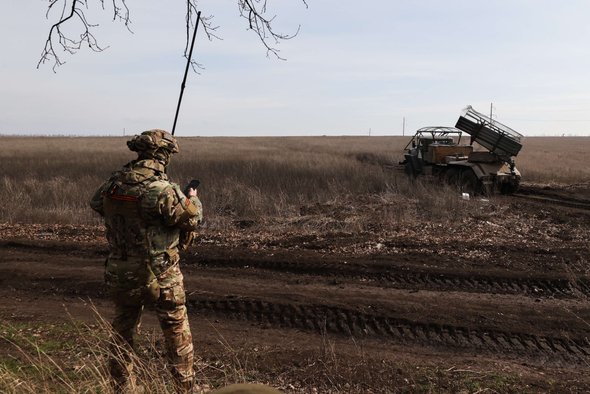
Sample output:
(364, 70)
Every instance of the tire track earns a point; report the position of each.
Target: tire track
(323, 319)
(552, 201)
(378, 274)
(381, 275)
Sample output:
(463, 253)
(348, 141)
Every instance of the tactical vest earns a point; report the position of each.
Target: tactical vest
(127, 232)
(135, 226)
(129, 267)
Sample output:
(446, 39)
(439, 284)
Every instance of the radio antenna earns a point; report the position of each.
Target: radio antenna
(188, 62)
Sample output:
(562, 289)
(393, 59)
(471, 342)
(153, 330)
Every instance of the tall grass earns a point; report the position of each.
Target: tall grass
(79, 365)
(72, 358)
(51, 180)
(265, 180)
(555, 160)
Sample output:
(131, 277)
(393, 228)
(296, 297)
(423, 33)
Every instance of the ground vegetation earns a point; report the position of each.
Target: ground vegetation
(320, 268)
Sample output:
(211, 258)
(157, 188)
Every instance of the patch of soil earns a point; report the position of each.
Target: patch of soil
(575, 193)
(505, 291)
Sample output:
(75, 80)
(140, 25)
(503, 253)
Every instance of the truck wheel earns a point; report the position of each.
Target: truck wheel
(469, 183)
(508, 188)
(409, 170)
(453, 178)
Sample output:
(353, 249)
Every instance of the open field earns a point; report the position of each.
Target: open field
(319, 269)
(50, 180)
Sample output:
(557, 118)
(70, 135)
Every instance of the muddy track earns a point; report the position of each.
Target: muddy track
(376, 274)
(553, 201)
(325, 319)
(386, 276)
(570, 198)
(521, 302)
(57, 248)
(382, 275)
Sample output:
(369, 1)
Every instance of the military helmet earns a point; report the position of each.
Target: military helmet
(152, 140)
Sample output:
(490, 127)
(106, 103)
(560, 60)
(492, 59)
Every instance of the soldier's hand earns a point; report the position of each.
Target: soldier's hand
(192, 193)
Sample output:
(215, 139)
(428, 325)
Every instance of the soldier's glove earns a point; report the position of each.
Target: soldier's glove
(186, 239)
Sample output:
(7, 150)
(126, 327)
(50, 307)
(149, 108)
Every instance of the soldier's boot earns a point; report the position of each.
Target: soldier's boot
(121, 367)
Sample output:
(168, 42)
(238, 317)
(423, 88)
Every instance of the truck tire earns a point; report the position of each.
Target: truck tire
(469, 183)
(453, 177)
(410, 171)
(508, 188)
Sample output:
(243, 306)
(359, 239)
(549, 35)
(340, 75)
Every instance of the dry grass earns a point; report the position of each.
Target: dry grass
(305, 184)
(50, 180)
(555, 160)
(72, 358)
(264, 181)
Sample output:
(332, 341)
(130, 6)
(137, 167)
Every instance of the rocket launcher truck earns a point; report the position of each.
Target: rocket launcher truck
(442, 152)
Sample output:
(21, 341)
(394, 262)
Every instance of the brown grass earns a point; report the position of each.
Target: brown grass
(265, 181)
(38, 359)
(555, 160)
(305, 184)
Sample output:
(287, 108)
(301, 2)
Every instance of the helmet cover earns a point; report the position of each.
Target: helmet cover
(153, 140)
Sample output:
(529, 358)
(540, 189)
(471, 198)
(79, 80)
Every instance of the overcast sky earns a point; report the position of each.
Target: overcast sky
(354, 66)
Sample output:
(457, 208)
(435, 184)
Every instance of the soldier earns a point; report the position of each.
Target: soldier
(147, 220)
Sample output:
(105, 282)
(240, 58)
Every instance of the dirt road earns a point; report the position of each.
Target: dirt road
(493, 298)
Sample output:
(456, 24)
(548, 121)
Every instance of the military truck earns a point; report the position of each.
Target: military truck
(443, 153)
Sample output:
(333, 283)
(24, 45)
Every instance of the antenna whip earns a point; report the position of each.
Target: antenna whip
(190, 55)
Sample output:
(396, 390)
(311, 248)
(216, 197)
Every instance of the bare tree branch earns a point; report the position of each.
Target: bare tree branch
(191, 12)
(77, 11)
(252, 10)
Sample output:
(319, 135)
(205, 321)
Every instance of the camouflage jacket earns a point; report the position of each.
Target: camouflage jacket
(145, 213)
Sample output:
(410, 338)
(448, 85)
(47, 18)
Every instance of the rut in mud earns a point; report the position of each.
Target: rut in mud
(509, 299)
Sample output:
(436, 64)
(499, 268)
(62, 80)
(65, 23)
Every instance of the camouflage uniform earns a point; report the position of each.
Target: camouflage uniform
(146, 217)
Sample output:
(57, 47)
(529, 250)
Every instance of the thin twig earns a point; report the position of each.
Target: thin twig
(252, 10)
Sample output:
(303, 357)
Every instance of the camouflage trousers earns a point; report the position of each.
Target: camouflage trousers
(171, 311)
